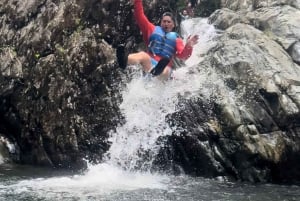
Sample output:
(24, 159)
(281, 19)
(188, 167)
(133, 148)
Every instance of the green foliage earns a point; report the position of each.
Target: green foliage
(37, 55)
(180, 4)
(207, 7)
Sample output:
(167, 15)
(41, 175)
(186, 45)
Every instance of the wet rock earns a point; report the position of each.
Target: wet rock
(294, 51)
(258, 116)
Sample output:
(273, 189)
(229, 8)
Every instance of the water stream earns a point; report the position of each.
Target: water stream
(125, 173)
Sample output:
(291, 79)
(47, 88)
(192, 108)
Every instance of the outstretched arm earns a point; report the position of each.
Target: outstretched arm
(144, 24)
(185, 51)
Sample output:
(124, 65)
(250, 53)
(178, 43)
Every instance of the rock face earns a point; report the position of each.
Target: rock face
(58, 81)
(59, 87)
(255, 137)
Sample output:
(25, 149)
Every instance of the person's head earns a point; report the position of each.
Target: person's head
(167, 22)
(184, 12)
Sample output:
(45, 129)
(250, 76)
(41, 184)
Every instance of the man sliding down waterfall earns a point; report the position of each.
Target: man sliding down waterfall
(163, 44)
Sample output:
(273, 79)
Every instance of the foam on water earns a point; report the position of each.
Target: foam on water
(98, 180)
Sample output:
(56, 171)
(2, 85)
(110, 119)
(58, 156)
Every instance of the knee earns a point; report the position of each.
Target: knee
(144, 55)
(139, 57)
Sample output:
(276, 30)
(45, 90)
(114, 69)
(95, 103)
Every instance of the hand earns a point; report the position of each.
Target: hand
(192, 40)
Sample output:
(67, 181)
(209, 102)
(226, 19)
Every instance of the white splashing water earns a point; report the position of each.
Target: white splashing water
(98, 180)
(145, 106)
(6, 148)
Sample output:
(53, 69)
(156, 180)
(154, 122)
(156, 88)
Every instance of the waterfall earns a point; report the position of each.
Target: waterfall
(7, 150)
(146, 104)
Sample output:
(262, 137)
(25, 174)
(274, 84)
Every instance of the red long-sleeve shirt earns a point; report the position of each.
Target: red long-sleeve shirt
(147, 28)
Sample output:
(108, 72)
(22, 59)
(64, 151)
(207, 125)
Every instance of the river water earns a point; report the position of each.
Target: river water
(109, 183)
(125, 173)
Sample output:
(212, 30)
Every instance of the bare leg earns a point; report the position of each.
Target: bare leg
(145, 60)
(140, 58)
(166, 73)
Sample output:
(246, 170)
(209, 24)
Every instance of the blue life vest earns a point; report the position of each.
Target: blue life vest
(162, 44)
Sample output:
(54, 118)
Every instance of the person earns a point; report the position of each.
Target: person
(162, 42)
(184, 15)
(190, 9)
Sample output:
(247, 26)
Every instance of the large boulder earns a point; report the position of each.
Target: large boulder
(249, 129)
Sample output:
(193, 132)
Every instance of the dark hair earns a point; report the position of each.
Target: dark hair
(170, 15)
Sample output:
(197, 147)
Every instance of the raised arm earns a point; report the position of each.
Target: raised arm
(144, 24)
(185, 51)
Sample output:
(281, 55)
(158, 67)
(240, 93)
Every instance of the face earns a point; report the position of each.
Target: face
(167, 24)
